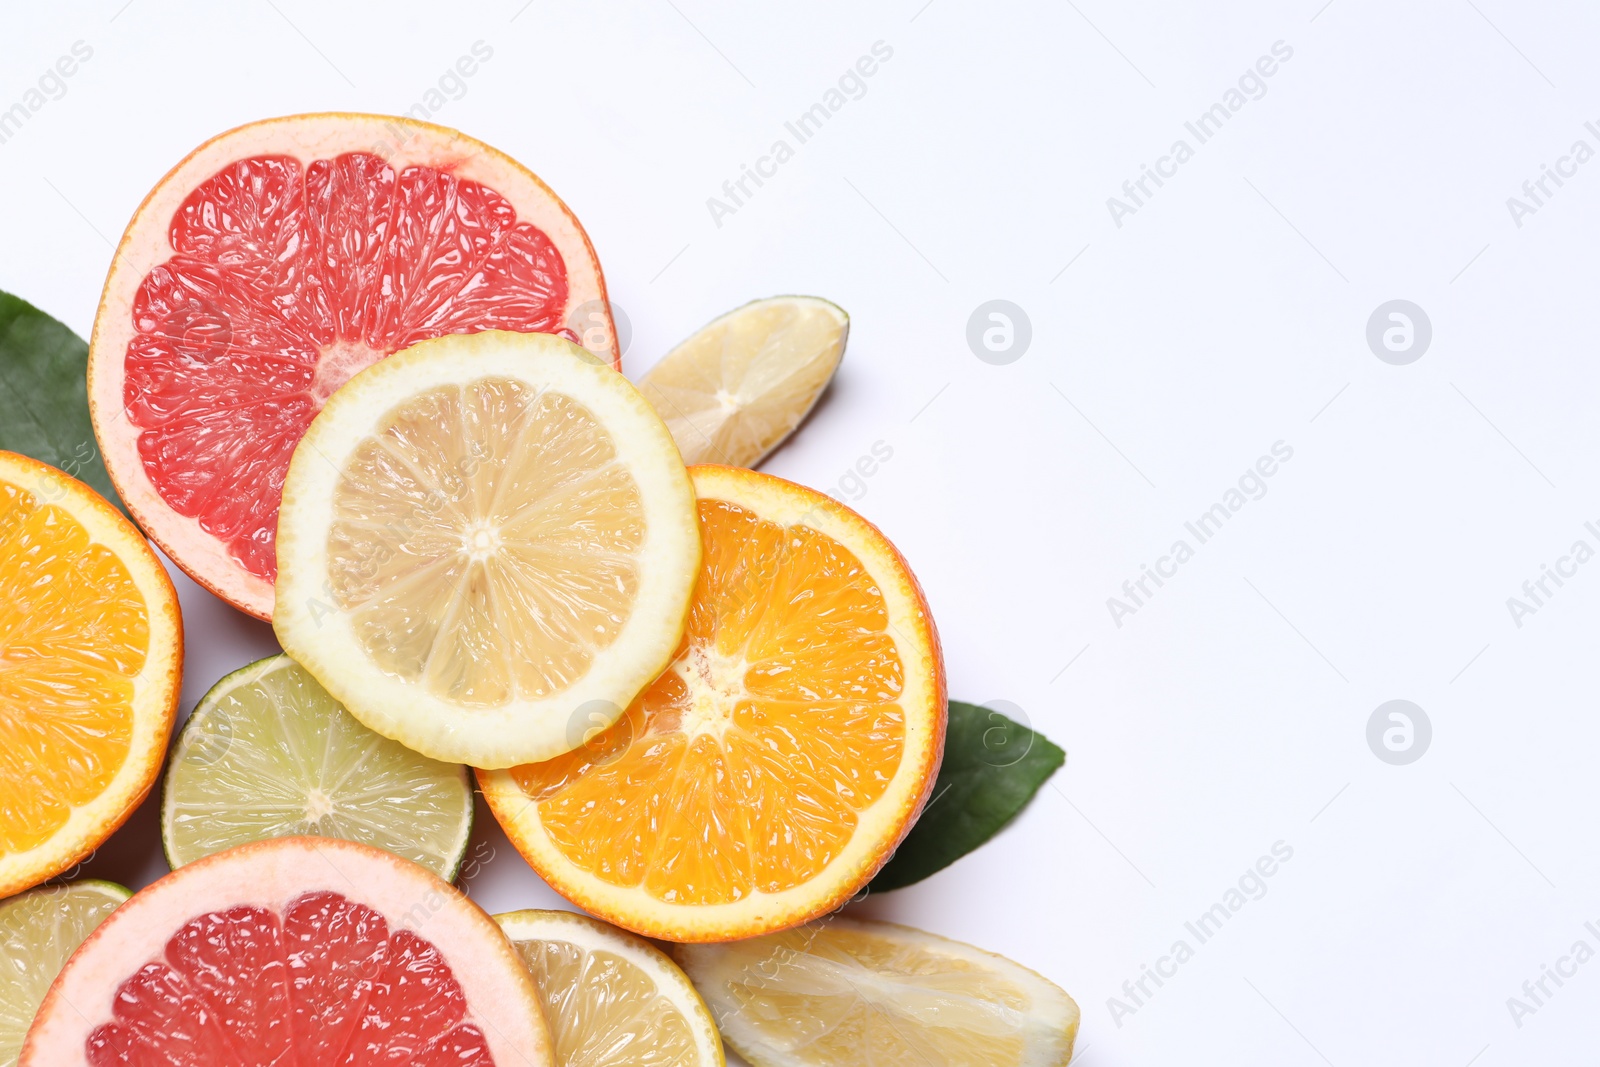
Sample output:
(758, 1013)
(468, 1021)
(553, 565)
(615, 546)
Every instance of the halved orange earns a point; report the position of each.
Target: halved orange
(775, 765)
(272, 264)
(91, 654)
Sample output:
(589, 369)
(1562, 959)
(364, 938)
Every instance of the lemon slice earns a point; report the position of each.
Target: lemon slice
(611, 999)
(268, 753)
(486, 548)
(38, 931)
(731, 393)
(843, 992)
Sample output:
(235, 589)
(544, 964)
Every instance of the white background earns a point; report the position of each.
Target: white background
(1228, 313)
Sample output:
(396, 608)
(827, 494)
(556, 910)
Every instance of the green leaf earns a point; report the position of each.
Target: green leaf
(44, 401)
(992, 768)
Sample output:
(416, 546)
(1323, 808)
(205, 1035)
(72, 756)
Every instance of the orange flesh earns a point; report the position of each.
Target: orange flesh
(73, 635)
(744, 767)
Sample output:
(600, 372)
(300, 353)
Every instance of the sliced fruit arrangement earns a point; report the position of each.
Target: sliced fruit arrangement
(844, 992)
(273, 263)
(611, 999)
(91, 653)
(731, 393)
(298, 950)
(763, 778)
(268, 753)
(485, 540)
(38, 931)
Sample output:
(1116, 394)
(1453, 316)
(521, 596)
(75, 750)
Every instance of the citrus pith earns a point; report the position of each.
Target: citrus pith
(487, 541)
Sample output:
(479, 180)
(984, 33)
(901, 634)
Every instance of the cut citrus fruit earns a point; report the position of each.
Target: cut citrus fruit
(268, 753)
(732, 392)
(611, 999)
(774, 767)
(299, 950)
(38, 931)
(842, 992)
(275, 262)
(487, 542)
(91, 655)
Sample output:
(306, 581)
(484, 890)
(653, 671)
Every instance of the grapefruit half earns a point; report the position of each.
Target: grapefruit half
(298, 950)
(269, 267)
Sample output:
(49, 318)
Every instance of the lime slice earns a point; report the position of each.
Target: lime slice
(844, 992)
(611, 999)
(268, 753)
(38, 931)
(731, 393)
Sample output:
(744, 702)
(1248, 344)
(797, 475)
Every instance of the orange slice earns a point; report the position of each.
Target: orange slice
(91, 653)
(776, 764)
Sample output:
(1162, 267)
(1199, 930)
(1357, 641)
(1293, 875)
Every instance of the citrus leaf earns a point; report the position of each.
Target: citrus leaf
(992, 768)
(44, 401)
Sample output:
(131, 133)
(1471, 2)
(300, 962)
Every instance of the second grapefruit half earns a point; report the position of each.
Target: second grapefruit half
(270, 266)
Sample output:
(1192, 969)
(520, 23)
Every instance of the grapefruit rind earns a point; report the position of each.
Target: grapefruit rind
(145, 245)
(593, 936)
(881, 827)
(501, 997)
(156, 687)
(322, 638)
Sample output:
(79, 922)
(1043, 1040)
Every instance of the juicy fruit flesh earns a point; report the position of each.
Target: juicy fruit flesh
(604, 1011)
(74, 633)
(745, 766)
(324, 982)
(485, 541)
(848, 997)
(737, 388)
(285, 280)
(279, 757)
(38, 931)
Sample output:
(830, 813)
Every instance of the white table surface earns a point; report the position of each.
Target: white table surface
(1226, 313)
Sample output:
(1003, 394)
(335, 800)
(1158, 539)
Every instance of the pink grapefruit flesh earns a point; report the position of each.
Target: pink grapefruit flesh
(299, 951)
(273, 264)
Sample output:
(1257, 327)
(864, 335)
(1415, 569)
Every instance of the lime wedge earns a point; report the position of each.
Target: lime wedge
(611, 999)
(38, 931)
(731, 393)
(268, 753)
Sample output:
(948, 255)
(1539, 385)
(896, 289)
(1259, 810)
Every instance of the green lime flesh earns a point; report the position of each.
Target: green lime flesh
(268, 753)
(39, 930)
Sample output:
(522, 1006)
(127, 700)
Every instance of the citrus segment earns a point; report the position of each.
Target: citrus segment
(299, 950)
(842, 992)
(274, 264)
(38, 931)
(732, 392)
(90, 655)
(268, 753)
(486, 540)
(773, 767)
(611, 999)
